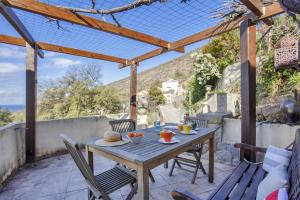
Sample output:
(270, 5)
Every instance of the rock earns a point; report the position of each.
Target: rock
(270, 112)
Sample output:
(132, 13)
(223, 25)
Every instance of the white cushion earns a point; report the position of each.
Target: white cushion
(276, 156)
(276, 179)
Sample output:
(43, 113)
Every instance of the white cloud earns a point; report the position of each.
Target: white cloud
(12, 52)
(9, 68)
(63, 62)
(49, 54)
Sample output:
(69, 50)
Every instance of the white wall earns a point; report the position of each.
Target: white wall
(80, 129)
(12, 139)
(280, 135)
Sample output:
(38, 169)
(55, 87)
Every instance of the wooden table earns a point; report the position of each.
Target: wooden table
(150, 154)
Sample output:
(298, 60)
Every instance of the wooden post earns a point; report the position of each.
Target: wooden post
(248, 85)
(143, 182)
(211, 157)
(31, 65)
(133, 86)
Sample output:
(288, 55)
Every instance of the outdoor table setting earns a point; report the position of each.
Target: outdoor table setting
(146, 149)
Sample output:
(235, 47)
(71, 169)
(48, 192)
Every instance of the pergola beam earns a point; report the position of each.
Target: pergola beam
(83, 20)
(254, 5)
(82, 53)
(12, 18)
(145, 56)
(60, 49)
(257, 8)
(270, 11)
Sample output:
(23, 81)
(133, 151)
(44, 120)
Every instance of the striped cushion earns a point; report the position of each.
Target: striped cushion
(276, 156)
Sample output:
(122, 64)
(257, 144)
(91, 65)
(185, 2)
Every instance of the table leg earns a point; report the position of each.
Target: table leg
(90, 161)
(143, 182)
(211, 159)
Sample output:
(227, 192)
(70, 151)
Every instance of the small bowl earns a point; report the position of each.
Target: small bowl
(135, 139)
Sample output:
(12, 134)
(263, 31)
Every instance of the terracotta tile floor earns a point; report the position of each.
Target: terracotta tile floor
(58, 178)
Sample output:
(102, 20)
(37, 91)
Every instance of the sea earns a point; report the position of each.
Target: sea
(13, 108)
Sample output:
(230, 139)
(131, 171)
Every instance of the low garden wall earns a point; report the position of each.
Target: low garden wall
(12, 139)
(280, 135)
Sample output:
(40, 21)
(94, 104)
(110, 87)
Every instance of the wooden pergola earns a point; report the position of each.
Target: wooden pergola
(34, 49)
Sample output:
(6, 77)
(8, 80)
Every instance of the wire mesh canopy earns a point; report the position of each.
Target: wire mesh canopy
(169, 20)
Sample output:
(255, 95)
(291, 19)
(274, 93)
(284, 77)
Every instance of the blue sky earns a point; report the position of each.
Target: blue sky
(54, 65)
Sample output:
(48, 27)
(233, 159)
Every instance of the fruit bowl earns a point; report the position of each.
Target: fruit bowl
(135, 137)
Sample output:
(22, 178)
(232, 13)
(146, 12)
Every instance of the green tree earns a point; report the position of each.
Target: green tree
(78, 93)
(205, 73)
(225, 48)
(106, 100)
(155, 96)
(5, 116)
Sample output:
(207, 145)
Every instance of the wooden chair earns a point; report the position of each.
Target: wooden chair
(124, 126)
(245, 178)
(103, 184)
(196, 151)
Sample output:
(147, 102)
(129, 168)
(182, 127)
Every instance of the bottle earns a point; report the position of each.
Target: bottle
(157, 123)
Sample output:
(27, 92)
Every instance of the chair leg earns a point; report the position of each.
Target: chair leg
(178, 163)
(199, 156)
(132, 192)
(151, 177)
(166, 165)
(172, 167)
(202, 168)
(196, 168)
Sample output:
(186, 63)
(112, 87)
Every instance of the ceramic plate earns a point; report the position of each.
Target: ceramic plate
(192, 132)
(173, 141)
(171, 127)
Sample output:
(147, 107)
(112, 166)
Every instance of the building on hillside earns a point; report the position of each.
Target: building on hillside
(171, 89)
(170, 86)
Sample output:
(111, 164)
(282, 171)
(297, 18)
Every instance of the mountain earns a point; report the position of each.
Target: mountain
(179, 68)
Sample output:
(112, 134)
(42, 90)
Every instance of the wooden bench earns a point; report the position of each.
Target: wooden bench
(245, 178)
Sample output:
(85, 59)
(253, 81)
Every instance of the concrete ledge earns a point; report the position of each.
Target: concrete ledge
(215, 117)
(12, 148)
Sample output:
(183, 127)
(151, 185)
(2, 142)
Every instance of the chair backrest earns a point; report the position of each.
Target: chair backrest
(123, 125)
(201, 123)
(294, 169)
(74, 150)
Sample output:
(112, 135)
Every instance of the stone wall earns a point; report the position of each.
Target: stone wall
(12, 139)
(222, 103)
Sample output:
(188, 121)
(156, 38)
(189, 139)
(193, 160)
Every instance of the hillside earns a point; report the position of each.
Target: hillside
(179, 68)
